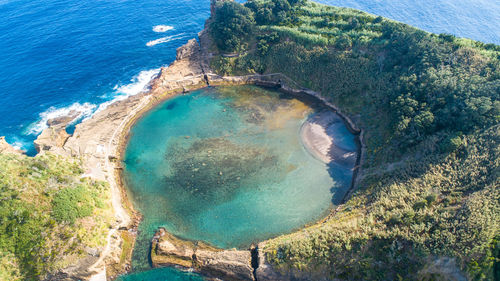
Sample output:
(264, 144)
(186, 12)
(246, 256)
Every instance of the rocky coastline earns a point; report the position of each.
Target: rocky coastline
(99, 142)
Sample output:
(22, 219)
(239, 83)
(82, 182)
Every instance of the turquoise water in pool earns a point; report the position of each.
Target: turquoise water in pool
(161, 274)
(226, 165)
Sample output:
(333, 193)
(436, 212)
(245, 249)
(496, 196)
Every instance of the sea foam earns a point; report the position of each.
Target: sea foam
(164, 39)
(86, 110)
(162, 28)
(137, 85)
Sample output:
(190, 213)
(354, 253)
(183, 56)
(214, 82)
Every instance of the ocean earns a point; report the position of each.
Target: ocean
(63, 55)
(58, 56)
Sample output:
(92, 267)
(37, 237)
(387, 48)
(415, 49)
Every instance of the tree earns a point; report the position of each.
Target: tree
(233, 24)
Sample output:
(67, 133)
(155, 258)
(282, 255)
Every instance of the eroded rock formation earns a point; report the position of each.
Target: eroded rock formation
(169, 250)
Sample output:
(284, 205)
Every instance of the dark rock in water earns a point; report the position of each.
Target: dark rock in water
(171, 105)
(213, 169)
(63, 120)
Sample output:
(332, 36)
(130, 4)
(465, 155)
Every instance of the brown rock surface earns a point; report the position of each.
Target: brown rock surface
(169, 250)
(6, 148)
(227, 265)
(55, 136)
(51, 138)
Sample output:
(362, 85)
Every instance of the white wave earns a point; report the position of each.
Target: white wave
(162, 28)
(164, 40)
(84, 110)
(20, 144)
(137, 85)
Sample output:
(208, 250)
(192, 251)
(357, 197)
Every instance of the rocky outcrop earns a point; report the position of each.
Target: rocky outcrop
(51, 139)
(169, 250)
(227, 265)
(55, 136)
(185, 73)
(6, 148)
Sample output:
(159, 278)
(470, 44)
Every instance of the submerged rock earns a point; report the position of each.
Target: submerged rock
(214, 169)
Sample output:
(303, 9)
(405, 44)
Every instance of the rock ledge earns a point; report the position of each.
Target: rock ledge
(169, 250)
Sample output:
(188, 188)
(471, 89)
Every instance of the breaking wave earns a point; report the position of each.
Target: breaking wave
(137, 85)
(164, 40)
(162, 28)
(83, 111)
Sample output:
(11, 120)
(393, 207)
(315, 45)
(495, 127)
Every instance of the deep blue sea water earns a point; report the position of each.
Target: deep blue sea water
(61, 55)
(475, 19)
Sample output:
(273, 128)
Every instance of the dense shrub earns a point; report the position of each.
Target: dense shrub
(72, 203)
(232, 25)
(43, 201)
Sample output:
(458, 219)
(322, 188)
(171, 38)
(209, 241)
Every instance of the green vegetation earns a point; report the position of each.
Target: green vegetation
(427, 198)
(233, 25)
(73, 203)
(49, 215)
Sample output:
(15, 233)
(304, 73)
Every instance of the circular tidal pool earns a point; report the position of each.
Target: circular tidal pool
(226, 165)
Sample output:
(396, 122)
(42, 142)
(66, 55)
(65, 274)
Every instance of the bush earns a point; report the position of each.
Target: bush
(39, 208)
(451, 143)
(72, 203)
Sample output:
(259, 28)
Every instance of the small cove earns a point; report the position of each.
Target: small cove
(226, 165)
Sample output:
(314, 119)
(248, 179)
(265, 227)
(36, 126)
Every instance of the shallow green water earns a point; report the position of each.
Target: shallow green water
(226, 165)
